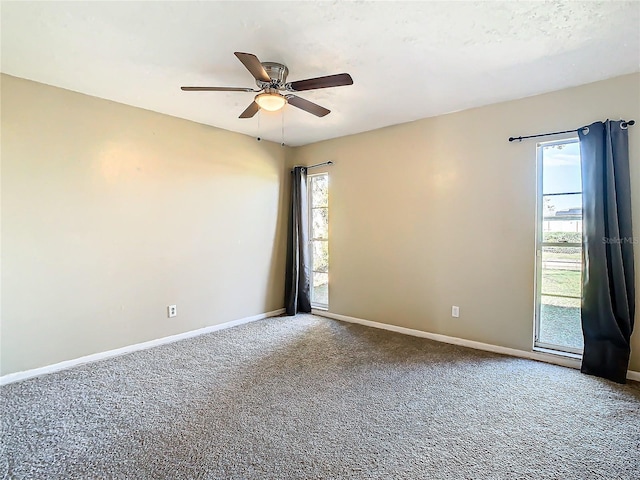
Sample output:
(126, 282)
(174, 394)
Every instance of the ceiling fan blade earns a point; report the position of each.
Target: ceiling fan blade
(321, 82)
(250, 111)
(254, 66)
(217, 89)
(307, 106)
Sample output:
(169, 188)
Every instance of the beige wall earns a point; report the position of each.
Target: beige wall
(110, 213)
(441, 212)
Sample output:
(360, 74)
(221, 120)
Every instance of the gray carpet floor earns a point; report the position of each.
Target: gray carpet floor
(312, 398)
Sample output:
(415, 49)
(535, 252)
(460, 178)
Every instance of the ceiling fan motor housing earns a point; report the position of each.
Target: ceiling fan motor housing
(277, 73)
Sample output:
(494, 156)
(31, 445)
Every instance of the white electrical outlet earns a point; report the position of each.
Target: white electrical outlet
(455, 311)
(172, 310)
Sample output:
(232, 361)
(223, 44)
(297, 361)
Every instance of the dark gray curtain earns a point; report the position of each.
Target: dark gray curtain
(297, 289)
(608, 296)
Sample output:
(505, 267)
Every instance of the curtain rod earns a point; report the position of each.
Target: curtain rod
(316, 165)
(511, 139)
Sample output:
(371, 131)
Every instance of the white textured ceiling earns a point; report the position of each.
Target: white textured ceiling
(408, 60)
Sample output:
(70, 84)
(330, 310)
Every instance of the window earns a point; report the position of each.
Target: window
(319, 238)
(559, 248)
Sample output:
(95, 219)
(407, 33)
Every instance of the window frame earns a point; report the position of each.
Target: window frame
(310, 208)
(540, 244)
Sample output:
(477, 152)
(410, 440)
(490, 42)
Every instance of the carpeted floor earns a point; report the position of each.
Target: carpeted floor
(312, 398)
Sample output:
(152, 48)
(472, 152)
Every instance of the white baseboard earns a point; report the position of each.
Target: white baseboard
(541, 357)
(36, 372)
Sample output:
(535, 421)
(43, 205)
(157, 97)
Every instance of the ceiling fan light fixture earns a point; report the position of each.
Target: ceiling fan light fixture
(270, 101)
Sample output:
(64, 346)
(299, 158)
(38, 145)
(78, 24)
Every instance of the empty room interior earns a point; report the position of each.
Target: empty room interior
(295, 240)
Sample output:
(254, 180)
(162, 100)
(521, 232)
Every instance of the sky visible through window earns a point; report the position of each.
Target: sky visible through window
(561, 174)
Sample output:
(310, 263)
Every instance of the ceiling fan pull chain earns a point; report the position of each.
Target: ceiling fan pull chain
(282, 117)
(259, 115)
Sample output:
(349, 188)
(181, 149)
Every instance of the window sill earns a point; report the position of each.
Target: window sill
(559, 353)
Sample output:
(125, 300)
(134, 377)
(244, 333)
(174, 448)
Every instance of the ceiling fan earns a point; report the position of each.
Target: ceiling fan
(271, 78)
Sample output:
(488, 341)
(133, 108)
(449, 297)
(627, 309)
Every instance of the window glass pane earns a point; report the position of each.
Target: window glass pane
(320, 256)
(561, 168)
(320, 225)
(320, 191)
(562, 218)
(560, 322)
(562, 271)
(319, 233)
(560, 300)
(320, 291)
